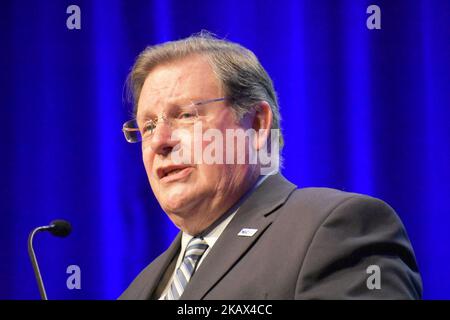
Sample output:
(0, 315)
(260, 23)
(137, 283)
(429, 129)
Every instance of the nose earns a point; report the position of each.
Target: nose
(162, 141)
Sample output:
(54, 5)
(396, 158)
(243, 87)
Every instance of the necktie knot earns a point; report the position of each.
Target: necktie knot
(195, 248)
(194, 251)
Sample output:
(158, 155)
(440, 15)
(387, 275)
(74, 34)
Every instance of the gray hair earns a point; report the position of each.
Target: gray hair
(243, 79)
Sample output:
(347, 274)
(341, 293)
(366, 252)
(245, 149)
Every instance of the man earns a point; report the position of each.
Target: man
(247, 235)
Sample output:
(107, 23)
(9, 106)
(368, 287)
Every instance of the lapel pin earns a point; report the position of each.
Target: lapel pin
(247, 232)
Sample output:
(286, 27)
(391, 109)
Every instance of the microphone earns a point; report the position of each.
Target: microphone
(59, 228)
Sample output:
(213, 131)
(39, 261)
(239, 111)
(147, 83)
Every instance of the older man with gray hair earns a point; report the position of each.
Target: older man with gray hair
(207, 117)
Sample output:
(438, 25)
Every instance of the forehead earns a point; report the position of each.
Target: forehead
(191, 78)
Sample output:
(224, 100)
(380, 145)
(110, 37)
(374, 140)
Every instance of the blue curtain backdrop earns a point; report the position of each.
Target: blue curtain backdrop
(364, 110)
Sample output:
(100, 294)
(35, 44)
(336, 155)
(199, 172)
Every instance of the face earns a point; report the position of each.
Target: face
(194, 194)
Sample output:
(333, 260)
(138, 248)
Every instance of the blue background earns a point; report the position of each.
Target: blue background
(364, 110)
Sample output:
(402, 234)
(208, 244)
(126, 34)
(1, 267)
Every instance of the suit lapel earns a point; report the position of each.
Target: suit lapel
(254, 213)
(159, 267)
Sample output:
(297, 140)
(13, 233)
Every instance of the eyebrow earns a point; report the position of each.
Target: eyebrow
(149, 114)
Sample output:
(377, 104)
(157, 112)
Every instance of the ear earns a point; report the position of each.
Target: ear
(262, 122)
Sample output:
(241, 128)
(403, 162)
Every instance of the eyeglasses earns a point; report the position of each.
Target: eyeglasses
(178, 117)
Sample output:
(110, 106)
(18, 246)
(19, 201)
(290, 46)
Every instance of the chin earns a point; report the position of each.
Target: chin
(175, 203)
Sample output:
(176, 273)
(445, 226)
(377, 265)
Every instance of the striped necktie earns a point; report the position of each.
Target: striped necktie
(194, 251)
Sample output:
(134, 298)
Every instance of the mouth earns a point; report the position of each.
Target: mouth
(173, 173)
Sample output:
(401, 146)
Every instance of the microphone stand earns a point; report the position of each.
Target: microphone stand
(34, 262)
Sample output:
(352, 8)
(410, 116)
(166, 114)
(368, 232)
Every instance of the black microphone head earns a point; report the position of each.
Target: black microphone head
(60, 228)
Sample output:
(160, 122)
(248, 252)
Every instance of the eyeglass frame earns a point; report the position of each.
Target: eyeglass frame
(199, 103)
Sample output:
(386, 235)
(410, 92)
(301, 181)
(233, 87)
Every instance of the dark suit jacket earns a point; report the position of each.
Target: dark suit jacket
(312, 243)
